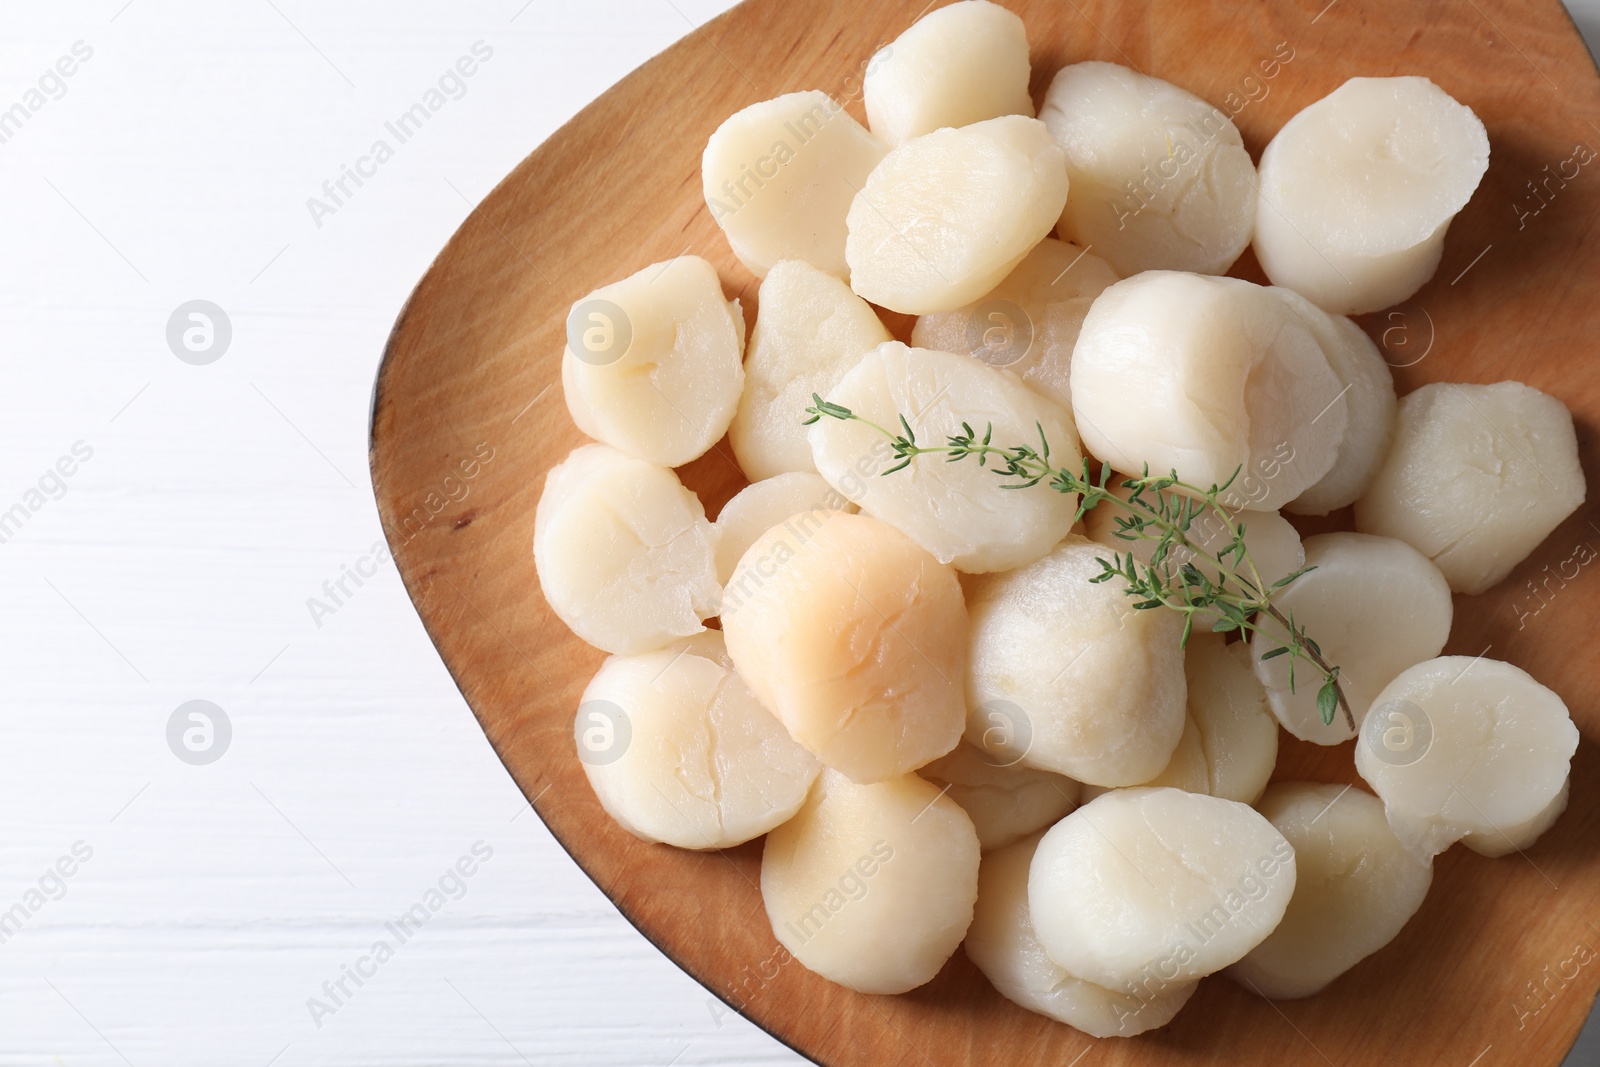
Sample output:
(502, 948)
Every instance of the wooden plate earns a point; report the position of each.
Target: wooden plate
(1503, 962)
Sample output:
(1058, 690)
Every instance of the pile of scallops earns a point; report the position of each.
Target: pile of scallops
(949, 735)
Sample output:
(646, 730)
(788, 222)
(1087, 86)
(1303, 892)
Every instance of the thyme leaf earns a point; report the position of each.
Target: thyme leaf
(1223, 585)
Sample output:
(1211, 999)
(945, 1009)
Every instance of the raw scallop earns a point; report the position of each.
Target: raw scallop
(1144, 885)
(760, 506)
(1160, 178)
(623, 551)
(1373, 605)
(1368, 397)
(1457, 746)
(1230, 739)
(1002, 944)
(1358, 189)
(1477, 477)
(855, 638)
(653, 362)
(1068, 677)
(810, 329)
(779, 177)
(955, 66)
(872, 886)
(1356, 885)
(1210, 377)
(679, 750)
(946, 216)
(961, 512)
(1005, 800)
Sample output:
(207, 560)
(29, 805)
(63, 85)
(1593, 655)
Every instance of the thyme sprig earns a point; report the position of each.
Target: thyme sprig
(1163, 509)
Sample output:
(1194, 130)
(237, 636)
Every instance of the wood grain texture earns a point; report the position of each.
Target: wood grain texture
(1489, 967)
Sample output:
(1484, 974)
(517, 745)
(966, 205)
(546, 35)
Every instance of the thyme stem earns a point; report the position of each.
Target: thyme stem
(1236, 598)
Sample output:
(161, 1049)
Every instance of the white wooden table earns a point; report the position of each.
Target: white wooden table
(202, 528)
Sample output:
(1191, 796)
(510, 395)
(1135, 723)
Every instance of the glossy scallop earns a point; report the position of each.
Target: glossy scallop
(1459, 746)
(1367, 397)
(855, 638)
(946, 216)
(1229, 745)
(623, 551)
(810, 330)
(760, 506)
(1160, 178)
(1373, 605)
(872, 886)
(779, 177)
(679, 750)
(961, 512)
(1214, 378)
(1358, 189)
(653, 362)
(1066, 676)
(1157, 882)
(1356, 886)
(954, 66)
(1477, 477)
(1002, 944)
